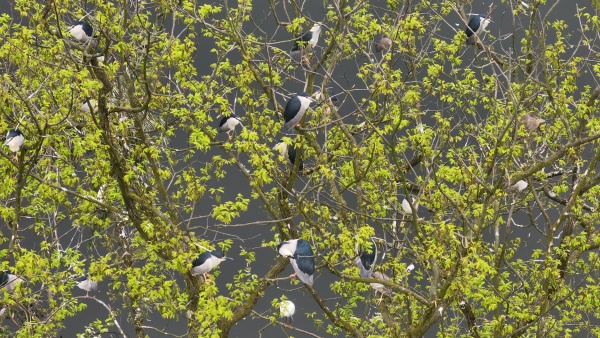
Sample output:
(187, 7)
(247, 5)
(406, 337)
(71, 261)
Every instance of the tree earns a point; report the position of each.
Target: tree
(130, 185)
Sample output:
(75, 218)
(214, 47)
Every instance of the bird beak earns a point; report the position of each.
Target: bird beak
(7, 140)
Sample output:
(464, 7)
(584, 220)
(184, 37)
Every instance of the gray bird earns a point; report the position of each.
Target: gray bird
(531, 122)
(86, 284)
(384, 44)
(380, 288)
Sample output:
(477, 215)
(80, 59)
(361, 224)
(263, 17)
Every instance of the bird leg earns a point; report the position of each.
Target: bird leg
(293, 276)
(230, 137)
(16, 158)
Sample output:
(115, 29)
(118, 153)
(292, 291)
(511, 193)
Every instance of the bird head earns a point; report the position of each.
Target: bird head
(306, 96)
(280, 147)
(284, 250)
(219, 254)
(11, 135)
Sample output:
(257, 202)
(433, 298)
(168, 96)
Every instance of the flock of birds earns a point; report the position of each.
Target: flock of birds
(298, 251)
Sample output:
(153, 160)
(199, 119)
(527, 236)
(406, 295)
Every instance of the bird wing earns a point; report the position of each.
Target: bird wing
(303, 276)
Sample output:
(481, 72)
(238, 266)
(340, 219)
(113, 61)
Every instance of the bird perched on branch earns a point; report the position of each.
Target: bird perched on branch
(366, 260)
(302, 258)
(207, 261)
(81, 31)
(287, 310)
(14, 140)
(384, 44)
(86, 284)
(295, 109)
(228, 124)
(9, 281)
(289, 153)
(477, 24)
(531, 122)
(307, 42)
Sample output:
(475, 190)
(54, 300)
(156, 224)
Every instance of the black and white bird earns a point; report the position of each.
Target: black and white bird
(295, 109)
(477, 24)
(207, 261)
(9, 281)
(406, 206)
(302, 258)
(86, 284)
(81, 31)
(366, 260)
(307, 42)
(14, 140)
(289, 153)
(287, 310)
(87, 104)
(228, 124)
(384, 44)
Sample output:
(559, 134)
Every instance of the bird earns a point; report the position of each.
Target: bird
(295, 109)
(531, 122)
(14, 141)
(287, 310)
(228, 124)
(380, 287)
(476, 25)
(384, 44)
(100, 55)
(81, 31)
(366, 260)
(87, 103)
(308, 41)
(302, 258)
(9, 280)
(407, 208)
(86, 284)
(519, 186)
(289, 153)
(207, 261)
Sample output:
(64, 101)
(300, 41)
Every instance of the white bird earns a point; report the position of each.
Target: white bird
(520, 185)
(406, 206)
(287, 310)
(86, 104)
